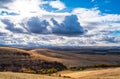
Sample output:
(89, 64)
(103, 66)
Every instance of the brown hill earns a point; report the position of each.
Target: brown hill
(106, 73)
(14, 75)
(13, 59)
(72, 59)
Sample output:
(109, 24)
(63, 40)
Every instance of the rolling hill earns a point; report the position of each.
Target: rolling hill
(11, 75)
(109, 73)
(33, 61)
(14, 59)
(73, 59)
(18, 60)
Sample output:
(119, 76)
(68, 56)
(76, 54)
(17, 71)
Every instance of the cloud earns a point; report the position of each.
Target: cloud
(111, 39)
(97, 22)
(35, 25)
(11, 27)
(3, 2)
(100, 27)
(3, 13)
(23, 7)
(70, 25)
(39, 27)
(57, 4)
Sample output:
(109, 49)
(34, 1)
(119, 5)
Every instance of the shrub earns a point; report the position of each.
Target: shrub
(24, 70)
(66, 76)
(94, 66)
(47, 71)
(77, 68)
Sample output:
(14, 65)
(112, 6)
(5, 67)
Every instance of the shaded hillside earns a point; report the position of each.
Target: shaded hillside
(73, 59)
(18, 60)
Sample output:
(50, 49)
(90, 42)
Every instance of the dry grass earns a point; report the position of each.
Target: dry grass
(14, 59)
(110, 73)
(72, 59)
(10, 75)
(68, 59)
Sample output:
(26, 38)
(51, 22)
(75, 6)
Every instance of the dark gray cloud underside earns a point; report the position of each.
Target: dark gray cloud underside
(70, 25)
(11, 26)
(3, 2)
(35, 25)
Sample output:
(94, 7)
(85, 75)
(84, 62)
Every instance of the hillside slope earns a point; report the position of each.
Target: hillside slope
(72, 59)
(18, 60)
(110, 73)
(11, 75)
(14, 58)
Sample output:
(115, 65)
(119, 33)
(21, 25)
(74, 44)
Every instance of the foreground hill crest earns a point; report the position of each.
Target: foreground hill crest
(19, 60)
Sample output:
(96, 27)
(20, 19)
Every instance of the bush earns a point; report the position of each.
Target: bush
(24, 70)
(66, 76)
(77, 68)
(94, 66)
(47, 71)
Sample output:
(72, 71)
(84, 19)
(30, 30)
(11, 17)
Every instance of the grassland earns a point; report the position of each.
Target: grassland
(68, 59)
(109, 73)
(11, 75)
(73, 60)
(19, 60)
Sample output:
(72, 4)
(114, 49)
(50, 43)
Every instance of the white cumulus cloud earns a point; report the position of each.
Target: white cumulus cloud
(57, 4)
(34, 26)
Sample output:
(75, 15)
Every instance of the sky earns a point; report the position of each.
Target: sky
(60, 22)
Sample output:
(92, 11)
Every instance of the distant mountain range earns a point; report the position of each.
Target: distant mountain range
(74, 49)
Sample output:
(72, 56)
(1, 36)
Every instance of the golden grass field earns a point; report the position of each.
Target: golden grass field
(109, 73)
(11, 75)
(73, 59)
(68, 59)
(8, 54)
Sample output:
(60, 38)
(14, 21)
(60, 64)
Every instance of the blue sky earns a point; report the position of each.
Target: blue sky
(60, 22)
(105, 6)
